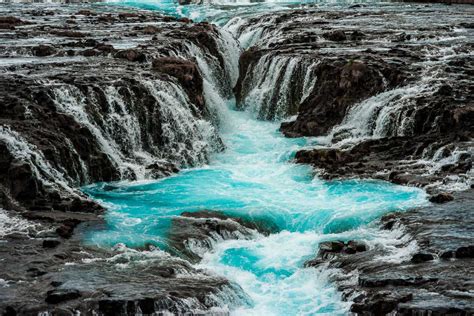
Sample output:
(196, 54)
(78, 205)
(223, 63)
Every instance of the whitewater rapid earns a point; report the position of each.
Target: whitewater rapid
(254, 178)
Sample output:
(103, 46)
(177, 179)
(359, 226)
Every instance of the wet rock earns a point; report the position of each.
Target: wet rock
(354, 246)
(402, 287)
(441, 198)
(131, 55)
(43, 50)
(343, 83)
(333, 249)
(60, 295)
(422, 257)
(331, 246)
(51, 243)
(68, 33)
(465, 252)
(195, 232)
(335, 36)
(186, 72)
(67, 228)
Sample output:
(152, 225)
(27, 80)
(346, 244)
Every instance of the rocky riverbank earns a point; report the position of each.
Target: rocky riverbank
(432, 277)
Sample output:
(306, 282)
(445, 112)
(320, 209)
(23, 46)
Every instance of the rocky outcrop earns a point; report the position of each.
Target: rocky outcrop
(428, 272)
(341, 84)
(194, 233)
(100, 112)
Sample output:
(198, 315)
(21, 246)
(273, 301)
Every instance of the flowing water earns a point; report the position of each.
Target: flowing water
(254, 178)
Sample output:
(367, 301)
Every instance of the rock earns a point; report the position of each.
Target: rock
(10, 311)
(68, 33)
(356, 246)
(422, 257)
(186, 72)
(131, 55)
(441, 198)
(465, 252)
(200, 228)
(61, 295)
(331, 246)
(335, 36)
(357, 35)
(67, 228)
(51, 243)
(344, 83)
(43, 50)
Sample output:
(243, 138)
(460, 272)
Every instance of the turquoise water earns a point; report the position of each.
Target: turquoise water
(220, 11)
(254, 178)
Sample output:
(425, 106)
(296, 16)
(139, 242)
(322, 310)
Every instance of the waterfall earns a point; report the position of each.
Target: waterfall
(270, 87)
(386, 114)
(120, 124)
(24, 151)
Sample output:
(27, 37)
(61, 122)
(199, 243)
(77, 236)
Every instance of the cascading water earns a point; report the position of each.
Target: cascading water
(186, 139)
(267, 90)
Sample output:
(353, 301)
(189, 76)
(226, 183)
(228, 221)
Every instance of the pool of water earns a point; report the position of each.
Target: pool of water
(254, 178)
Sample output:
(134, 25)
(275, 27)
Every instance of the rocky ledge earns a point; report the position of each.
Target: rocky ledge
(428, 272)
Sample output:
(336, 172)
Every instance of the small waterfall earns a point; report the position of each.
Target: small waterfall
(121, 124)
(24, 151)
(387, 114)
(248, 32)
(269, 88)
(187, 138)
(218, 80)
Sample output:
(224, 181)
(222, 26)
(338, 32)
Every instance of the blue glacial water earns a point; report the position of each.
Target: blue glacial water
(220, 11)
(255, 178)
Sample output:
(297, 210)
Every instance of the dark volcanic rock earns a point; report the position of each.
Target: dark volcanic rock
(193, 232)
(58, 296)
(421, 257)
(441, 198)
(51, 243)
(43, 50)
(415, 283)
(336, 36)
